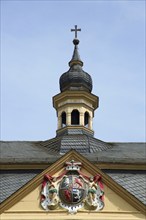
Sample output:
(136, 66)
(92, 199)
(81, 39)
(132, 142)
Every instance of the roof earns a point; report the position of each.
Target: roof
(12, 180)
(50, 150)
(133, 181)
(25, 152)
(83, 143)
(95, 150)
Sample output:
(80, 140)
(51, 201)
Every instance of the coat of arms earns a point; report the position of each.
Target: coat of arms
(72, 190)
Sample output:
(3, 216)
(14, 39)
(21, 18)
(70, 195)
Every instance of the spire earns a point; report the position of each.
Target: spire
(75, 78)
(76, 57)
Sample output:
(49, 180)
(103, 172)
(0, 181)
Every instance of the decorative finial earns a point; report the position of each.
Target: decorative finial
(76, 31)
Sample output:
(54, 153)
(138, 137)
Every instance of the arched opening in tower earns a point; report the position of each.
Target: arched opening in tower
(63, 119)
(75, 115)
(86, 119)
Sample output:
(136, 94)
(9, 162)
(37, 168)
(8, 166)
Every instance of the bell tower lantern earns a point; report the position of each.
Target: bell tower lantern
(75, 104)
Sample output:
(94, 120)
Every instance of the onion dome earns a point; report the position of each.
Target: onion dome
(75, 78)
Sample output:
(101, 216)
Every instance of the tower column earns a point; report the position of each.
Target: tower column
(82, 118)
(59, 122)
(68, 118)
(90, 122)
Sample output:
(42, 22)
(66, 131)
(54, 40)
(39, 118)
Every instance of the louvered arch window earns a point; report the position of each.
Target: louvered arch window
(75, 117)
(63, 119)
(86, 119)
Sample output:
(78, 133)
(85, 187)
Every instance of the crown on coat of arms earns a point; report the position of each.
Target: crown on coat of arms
(72, 165)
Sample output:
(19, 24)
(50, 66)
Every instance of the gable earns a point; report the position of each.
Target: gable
(113, 202)
(27, 199)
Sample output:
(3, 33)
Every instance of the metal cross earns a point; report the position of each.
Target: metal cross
(76, 30)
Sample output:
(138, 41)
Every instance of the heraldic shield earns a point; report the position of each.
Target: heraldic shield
(72, 190)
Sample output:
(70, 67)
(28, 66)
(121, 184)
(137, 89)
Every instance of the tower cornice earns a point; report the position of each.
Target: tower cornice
(93, 99)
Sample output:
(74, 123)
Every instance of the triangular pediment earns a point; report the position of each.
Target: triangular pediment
(116, 199)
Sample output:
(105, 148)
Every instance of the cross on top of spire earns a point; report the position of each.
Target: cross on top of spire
(76, 30)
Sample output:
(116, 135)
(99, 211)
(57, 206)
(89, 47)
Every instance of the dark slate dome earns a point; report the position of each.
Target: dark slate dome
(75, 78)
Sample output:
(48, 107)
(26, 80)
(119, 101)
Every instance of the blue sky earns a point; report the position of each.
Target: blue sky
(36, 46)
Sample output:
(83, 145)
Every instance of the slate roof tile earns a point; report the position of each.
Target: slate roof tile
(11, 181)
(81, 142)
(133, 181)
(49, 151)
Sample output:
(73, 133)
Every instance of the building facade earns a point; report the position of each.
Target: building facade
(73, 175)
